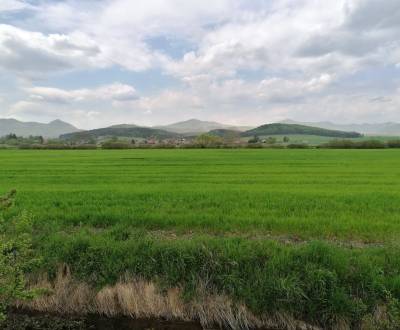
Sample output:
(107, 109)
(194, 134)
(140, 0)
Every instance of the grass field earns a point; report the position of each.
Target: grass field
(311, 233)
(314, 140)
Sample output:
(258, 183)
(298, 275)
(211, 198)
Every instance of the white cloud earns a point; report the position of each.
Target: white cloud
(122, 27)
(32, 54)
(13, 5)
(238, 60)
(307, 37)
(114, 92)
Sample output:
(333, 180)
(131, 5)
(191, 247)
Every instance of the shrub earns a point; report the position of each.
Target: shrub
(348, 144)
(370, 144)
(57, 147)
(207, 140)
(165, 146)
(393, 144)
(116, 145)
(270, 140)
(254, 139)
(298, 146)
(16, 256)
(338, 144)
(254, 145)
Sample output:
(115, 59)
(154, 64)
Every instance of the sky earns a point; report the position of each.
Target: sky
(96, 63)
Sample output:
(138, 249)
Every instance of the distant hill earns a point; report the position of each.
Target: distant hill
(224, 132)
(389, 128)
(193, 126)
(121, 131)
(51, 130)
(288, 129)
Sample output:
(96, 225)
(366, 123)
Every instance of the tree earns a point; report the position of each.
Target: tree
(254, 139)
(286, 139)
(207, 140)
(16, 256)
(11, 136)
(231, 137)
(270, 140)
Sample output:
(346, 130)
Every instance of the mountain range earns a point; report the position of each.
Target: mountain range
(195, 126)
(190, 127)
(132, 131)
(51, 130)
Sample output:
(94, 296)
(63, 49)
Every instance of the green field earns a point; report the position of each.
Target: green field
(313, 233)
(314, 140)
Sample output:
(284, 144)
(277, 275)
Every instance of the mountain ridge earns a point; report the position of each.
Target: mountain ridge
(191, 127)
(290, 129)
(387, 128)
(53, 129)
(198, 126)
(122, 130)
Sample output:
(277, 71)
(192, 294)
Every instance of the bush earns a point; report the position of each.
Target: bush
(393, 144)
(254, 139)
(207, 141)
(165, 146)
(254, 145)
(84, 147)
(349, 144)
(57, 147)
(370, 144)
(16, 256)
(298, 146)
(270, 140)
(338, 144)
(116, 145)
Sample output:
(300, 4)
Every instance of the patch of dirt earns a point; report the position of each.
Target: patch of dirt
(285, 239)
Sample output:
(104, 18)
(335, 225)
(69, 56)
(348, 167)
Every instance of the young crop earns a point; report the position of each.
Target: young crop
(309, 233)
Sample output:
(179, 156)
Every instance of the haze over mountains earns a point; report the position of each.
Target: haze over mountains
(389, 128)
(58, 128)
(295, 129)
(132, 131)
(198, 126)
(51, 130)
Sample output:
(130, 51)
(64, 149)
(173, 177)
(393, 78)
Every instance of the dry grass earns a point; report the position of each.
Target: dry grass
(141, 299)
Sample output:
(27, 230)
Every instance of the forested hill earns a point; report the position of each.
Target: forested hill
(290, 129)
(121, 131)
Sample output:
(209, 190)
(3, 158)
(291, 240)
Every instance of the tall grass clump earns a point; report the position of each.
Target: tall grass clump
(316, 282)
(16, 256)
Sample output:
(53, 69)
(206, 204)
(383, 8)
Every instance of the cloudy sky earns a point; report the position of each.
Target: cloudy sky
(100, 62)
